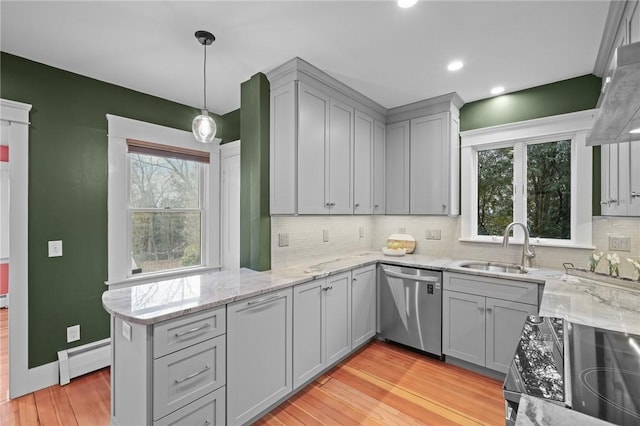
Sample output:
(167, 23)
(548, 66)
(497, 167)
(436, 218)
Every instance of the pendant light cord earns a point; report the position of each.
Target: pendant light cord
(204, 45)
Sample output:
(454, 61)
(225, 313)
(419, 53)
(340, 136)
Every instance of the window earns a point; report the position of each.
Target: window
(536, 172)
(165, 211)
(163, 203)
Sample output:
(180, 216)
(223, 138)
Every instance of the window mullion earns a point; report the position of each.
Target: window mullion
(519, 184)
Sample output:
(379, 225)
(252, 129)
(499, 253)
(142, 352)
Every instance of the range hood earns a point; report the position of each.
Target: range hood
(618, 117)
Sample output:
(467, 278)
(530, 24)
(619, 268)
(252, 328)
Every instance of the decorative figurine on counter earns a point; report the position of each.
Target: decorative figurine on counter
(594, 259)
(636, 266)
(614, 264)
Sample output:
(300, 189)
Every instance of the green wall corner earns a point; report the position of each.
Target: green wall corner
(255, 221)
(68, 171)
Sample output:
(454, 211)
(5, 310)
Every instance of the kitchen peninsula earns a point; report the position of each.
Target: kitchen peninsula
(150, 321)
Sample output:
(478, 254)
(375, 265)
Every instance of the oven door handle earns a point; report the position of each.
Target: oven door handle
(394, 274)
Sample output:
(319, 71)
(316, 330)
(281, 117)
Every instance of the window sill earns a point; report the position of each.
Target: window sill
(533, 242)
(161, 276)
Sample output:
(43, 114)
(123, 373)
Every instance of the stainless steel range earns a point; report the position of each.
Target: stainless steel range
(592, 370)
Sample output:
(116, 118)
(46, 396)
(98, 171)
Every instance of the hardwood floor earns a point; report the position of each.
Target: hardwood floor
(380, 385)
(85, 401)
(387, 385)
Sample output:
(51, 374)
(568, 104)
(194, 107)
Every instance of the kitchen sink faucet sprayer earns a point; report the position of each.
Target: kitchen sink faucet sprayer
(527, 251)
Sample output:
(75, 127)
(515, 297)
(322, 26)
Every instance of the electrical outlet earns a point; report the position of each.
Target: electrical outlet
(73, 333)
(620, 243)
(433, 234)
(361, 232)
(55, 248)
(283, 239)
(325, 235)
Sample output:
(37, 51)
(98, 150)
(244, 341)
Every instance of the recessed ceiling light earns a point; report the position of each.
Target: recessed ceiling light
(497, 90)
(406, 3)
(455, 65)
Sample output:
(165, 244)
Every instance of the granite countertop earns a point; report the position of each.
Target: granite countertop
(576, 299)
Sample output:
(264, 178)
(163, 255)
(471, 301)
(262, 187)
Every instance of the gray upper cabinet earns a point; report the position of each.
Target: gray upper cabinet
(363, 179)
(315, 165)
(423, 157)
(397, 168)
(313, 140)
(620, 179)
(363, 305)
(429, 164)
(379, 166)
(259, 354)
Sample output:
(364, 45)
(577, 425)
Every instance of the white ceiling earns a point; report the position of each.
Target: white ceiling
(394, 56)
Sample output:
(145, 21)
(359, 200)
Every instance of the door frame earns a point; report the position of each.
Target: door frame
(22, 379)
(227, 150)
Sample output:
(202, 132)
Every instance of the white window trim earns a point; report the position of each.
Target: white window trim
(121, 129)
(574, 126)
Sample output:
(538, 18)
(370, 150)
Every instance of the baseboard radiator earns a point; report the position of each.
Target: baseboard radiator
(84, 359)
(4, 301)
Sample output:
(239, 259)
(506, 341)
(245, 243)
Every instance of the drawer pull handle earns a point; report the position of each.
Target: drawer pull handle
(193, 330)
(266, 299)
(193, 375)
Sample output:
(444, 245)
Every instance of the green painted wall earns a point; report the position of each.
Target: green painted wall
(231, 126)
(255, 221)
(68, 192)
(576, 94)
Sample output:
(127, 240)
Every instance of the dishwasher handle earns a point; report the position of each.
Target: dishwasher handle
(434, 280)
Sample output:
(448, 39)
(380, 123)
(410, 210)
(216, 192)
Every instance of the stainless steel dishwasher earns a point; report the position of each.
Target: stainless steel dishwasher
(411, 307)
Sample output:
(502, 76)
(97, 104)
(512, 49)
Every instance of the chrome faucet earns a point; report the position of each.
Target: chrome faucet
(527, 251)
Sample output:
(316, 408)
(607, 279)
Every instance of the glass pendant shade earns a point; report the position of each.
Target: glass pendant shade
(204, 127)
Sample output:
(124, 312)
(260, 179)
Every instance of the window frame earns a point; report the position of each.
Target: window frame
(573, 127)
(119, 222)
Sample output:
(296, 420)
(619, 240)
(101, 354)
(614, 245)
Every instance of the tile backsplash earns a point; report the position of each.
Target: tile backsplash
(306, 245)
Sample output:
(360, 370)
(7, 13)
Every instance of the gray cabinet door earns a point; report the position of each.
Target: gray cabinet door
(397, 168)
(308, 348)
(339, 170)
(379, 166)
(429, 166)
(337, 317)
(463, 326)
(313, 130)
(283, 150)
(362, 164)
(363, 305)
(504, 322)
(259, 353)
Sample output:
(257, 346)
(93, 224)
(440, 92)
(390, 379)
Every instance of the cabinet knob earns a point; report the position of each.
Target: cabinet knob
(604, 203)
(378, 205)
(481, 308)
(357, 205)
(327, 204)
(635, 194)
(489, 310)
(355, 279)
(613, 201)
(444, 207)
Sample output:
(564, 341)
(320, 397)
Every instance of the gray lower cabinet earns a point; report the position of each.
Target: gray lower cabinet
(337, 317)
(308, 344)
(363, 305)
(482, 318)
(259, 354)
(169, 373)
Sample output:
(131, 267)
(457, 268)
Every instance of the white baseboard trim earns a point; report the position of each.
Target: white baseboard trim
(39, 377)
(84, 359)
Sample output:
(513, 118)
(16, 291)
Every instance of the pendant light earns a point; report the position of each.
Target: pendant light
(203, 127)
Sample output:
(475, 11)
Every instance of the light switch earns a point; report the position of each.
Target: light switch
(55, 248)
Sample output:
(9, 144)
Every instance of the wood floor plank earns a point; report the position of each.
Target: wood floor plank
(19, 412)
(90, 398)
(54, 407)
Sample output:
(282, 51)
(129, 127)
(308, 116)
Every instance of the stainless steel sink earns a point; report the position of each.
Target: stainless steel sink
(495, 267)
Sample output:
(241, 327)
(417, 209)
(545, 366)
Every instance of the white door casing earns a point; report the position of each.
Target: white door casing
(230, 205)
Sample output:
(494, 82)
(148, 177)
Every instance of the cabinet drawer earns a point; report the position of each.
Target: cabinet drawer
(182, 377)
(513, 290)
(173, 335)
(208, 410)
